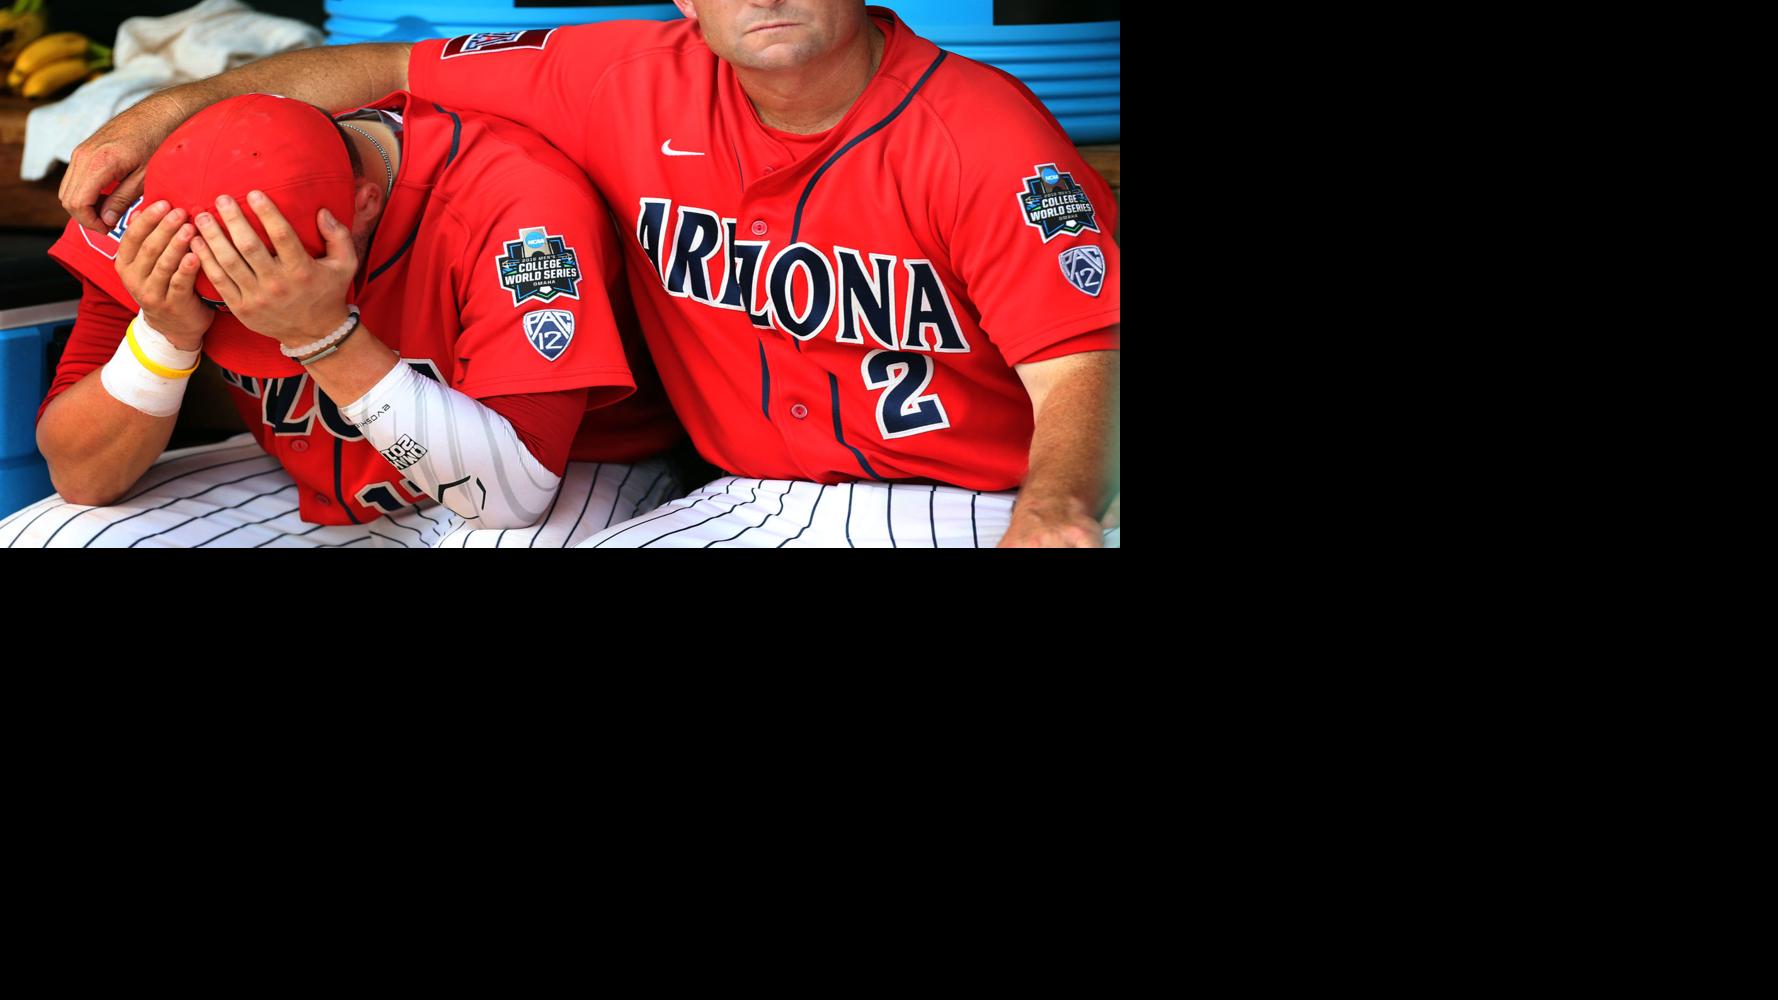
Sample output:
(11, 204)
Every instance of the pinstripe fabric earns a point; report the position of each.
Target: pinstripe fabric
(233, 495)
(777, 513)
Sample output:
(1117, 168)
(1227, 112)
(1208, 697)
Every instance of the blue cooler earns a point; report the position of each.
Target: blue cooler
(1069, 52)
(30, 344)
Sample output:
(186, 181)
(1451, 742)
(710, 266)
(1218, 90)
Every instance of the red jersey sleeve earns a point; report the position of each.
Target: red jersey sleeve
(543, 78)
(99, 326)
(1032, 236)
(532, 299)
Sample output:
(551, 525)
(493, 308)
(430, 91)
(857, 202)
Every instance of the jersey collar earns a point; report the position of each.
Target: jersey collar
(430, 136)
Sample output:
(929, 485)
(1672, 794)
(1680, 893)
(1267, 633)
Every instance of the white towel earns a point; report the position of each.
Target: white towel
(153, 53)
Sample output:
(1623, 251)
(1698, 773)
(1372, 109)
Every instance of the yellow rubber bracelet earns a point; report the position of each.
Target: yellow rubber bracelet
(162, 370)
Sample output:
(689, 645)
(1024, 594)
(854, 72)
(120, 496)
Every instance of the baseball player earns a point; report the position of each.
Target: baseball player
(417, 336)
(877, 279)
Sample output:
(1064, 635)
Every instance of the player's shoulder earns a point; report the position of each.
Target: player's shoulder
(599, 44)
(501, 160)
(641, 34)
(982, 101)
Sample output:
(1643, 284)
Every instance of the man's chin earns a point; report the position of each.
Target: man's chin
(766, 54)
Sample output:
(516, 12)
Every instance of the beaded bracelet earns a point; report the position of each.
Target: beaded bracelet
(311, 359)
(339, 333)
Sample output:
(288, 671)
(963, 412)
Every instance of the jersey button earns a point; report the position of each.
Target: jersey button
(323, 499)
(799, 411)
(759, 227)
(299, 446)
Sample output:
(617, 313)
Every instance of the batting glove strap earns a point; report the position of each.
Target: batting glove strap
(147, 372)
(456, 450)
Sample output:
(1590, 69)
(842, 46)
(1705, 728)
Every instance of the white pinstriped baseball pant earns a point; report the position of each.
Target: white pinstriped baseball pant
(234, 495)
(733, 512)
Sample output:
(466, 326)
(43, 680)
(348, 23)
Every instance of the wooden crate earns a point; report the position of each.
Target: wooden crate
(24, 204)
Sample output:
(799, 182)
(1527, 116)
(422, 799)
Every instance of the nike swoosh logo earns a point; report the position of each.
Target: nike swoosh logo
(667, 148)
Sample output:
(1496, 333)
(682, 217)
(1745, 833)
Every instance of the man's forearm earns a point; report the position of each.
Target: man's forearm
(1074, 446)
(336, 77)
(98, 447)
(1073, 472)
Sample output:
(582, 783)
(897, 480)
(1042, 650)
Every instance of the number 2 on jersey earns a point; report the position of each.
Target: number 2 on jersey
(903, 410)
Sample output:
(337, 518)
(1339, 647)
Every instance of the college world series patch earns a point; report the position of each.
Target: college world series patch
(1054, 205)
(538, 266)
(1084, 267)
(549, 330)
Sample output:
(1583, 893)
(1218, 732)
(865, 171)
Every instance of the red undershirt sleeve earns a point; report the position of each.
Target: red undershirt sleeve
(544, 421)
(99, 326)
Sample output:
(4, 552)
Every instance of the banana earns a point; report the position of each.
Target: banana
(46, 80)
(15, 80)
(18, 31)
(52, 49)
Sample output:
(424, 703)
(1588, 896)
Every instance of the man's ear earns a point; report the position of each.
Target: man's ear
(686, 8)
(367, 203)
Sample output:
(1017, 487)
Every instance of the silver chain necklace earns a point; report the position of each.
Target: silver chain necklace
(388, 170)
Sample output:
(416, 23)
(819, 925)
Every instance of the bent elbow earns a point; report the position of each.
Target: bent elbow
(85, 494)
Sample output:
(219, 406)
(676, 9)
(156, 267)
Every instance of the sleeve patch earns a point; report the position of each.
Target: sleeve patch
(1084, 267)
(483, 42)
(1055, 205)
(538, 266)
(549, 331)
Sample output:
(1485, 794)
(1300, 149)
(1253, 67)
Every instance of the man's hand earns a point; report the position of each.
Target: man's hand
(118, 151)
(160, 273)
(292, 298)
(1058, 524)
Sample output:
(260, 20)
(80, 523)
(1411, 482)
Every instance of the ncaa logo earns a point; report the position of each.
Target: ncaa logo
(549, 330)
(1084, 267)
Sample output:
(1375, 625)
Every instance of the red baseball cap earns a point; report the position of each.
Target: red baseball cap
(290, 150)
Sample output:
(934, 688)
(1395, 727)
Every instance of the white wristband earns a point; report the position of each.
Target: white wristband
(133, 385)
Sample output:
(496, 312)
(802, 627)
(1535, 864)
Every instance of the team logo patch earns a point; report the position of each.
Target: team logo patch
(483, 42)
(108, 247)
(123, 223)
(1084, 267)
(549, 330)
(538, 266)
(1055, 205)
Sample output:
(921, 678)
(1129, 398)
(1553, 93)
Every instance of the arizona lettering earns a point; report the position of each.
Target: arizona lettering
(898, 304)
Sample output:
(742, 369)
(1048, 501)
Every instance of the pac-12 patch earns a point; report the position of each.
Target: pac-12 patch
(1084, 267)
(483, 42)
(1053, 204)
(538, 266)
(549, 330)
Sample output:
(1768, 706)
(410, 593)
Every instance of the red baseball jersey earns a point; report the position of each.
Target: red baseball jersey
(835, 307)
(494, 270)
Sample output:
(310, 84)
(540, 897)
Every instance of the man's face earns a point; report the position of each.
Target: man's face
(775, 34)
